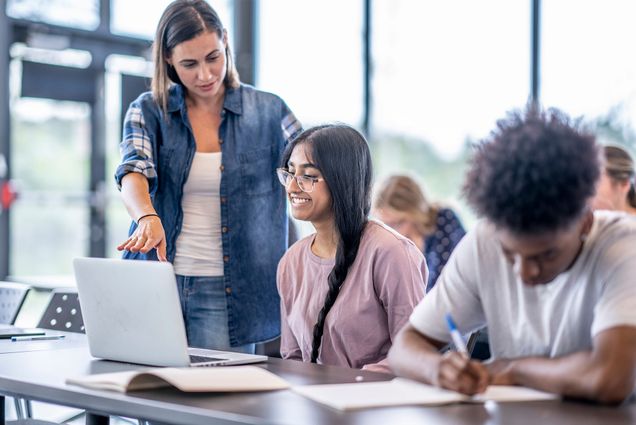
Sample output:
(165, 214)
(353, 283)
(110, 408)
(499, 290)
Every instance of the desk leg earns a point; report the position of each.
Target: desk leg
(95, 419)
(2, 418)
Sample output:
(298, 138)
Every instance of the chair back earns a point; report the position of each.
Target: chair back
(12, 297)
(63, 312)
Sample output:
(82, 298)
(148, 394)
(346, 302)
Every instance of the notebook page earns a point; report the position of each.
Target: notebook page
(397, 392)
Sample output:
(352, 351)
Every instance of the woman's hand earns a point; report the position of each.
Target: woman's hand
(148, 235)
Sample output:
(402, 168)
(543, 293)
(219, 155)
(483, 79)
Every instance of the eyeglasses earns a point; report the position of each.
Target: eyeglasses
(305, 183)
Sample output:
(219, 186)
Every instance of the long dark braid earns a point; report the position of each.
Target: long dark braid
(342, 155)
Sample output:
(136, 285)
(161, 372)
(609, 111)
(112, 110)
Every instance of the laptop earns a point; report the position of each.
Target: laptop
(132, 314)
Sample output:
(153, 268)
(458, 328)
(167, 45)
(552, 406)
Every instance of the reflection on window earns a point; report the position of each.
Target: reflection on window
(444, 72)
(591, 73)
(139, 18)
(82, 14)
(310, 54)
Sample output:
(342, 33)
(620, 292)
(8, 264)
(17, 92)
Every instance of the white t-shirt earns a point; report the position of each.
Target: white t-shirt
(199, 245)
(479, 287)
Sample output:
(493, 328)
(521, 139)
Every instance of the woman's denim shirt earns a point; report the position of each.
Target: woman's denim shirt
(255, 128)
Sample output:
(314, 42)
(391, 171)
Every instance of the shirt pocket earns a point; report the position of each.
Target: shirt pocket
(257, 171)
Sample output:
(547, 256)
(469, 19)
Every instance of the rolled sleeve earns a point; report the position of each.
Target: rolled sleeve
(136, 149)
(290, 125)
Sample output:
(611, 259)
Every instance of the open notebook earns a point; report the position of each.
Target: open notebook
(219, 379)
(401, 392)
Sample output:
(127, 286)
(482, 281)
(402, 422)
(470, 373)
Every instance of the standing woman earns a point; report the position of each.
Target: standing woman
(347, 289)
(197, 177)
(615, 190)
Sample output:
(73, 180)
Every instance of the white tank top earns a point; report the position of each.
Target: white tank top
(199, 245)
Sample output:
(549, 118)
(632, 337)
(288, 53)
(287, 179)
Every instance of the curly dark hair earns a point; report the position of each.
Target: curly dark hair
(535, 172)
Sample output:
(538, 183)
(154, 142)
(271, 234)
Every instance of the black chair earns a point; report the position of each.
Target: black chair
(12, 297)
(479, 346)
(63, 312)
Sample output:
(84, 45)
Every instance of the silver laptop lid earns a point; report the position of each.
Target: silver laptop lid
(131, 311)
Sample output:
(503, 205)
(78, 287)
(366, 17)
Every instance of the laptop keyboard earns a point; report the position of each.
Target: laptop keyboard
(203, 359)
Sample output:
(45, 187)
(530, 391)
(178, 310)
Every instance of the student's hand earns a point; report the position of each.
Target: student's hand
(459, 373)
(500, 372)
(148, 235)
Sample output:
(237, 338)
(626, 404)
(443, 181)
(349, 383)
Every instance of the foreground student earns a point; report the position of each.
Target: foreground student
(347, 289)
(553, 281)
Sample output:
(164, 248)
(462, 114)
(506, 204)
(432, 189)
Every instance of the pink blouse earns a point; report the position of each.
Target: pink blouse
(384, 284)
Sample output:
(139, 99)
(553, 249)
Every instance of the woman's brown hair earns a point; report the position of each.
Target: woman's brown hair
(184, 20)
(619, 167)
(403, 194)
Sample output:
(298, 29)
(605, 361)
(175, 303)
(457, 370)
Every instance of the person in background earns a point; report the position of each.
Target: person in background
(347, 289)
(197, 176)
(553, 280)
(615, 190)
(400, 203)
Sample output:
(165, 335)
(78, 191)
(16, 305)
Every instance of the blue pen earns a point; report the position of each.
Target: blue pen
(457, 338)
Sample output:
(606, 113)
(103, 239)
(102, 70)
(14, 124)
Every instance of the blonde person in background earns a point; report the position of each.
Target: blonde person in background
(615, 190)
(400, 203)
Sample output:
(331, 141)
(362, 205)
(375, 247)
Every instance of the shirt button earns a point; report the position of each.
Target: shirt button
(224, 229)
(228, 290)
(220, 141)
(223, 199)
(226, 258)
(221, 168)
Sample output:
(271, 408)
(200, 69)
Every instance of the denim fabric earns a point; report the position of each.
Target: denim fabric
(205, 313)
(255, 128)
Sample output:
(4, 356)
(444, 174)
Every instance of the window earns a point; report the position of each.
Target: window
(83, 14)
(443, 73)
(587, 68)
(49, 221)
(126, 14)
(310, 54)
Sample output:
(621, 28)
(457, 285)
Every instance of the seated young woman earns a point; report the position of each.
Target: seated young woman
(347, 289)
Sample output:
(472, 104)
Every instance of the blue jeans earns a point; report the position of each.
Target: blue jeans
(205, 313)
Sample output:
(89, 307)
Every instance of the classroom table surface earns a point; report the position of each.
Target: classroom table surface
(40, 374)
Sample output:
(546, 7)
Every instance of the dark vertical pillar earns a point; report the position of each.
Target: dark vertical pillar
(535, 60)
(245, 30)
(97, 239)
(97, 244)
(366, 119)
(5, 134)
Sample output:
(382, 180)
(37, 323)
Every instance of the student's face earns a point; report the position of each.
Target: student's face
(539, 259)
(402, 222)
(314, 206)
(610, 194)
(200, 63)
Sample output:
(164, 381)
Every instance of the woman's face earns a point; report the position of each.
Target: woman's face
(610, 194)
(314, 206)
(402, 222)
(200, 63)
